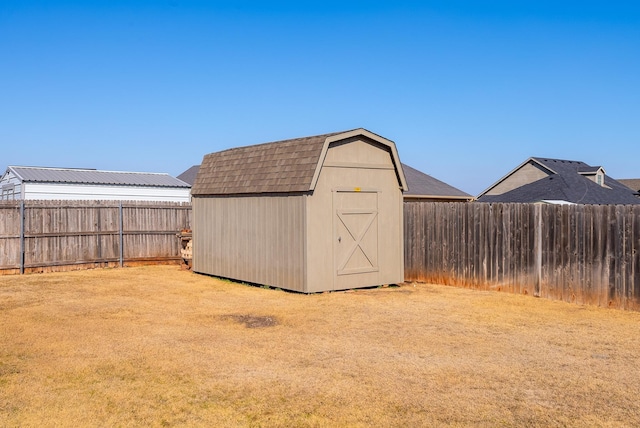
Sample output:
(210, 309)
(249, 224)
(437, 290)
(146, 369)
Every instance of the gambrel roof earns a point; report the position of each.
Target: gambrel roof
(565, 180)
(288, 166)
(30, 174)
(421, 185)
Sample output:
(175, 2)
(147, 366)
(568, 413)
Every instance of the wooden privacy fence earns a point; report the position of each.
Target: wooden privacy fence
(587, 254)
(37, 236)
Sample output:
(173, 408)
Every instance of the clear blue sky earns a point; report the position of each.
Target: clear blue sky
(466, 89)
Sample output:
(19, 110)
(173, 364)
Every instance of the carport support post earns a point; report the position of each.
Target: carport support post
(121, 236)
(22, 237)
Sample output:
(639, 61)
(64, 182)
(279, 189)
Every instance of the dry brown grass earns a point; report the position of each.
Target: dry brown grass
(157, 346)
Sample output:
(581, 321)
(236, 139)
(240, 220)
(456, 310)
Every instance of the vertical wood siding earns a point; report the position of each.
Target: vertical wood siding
(70, 233)
(586, 254)
(256, 239)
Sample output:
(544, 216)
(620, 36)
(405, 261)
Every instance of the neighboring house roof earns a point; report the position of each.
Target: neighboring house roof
(287, 166)
(424, 186)
(421, 185)
(631, 183)
(586, 169)
(565, 181)
(189, 176)
(30, 174)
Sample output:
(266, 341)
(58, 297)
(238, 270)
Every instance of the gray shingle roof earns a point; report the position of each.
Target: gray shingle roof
(93, 176)
(281, 166)
(567, 184)
(421, 184)
(189, 176)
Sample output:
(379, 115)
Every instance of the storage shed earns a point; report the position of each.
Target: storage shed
(310, 214)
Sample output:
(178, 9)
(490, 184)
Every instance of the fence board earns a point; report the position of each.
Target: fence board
(9, 235)
(59, 235)
(635, 299)
(586, 254)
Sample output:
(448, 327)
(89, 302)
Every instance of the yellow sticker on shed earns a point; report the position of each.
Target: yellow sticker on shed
(357, 189)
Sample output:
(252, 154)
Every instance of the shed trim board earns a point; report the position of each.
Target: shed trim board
(344, 232)
(356, 165)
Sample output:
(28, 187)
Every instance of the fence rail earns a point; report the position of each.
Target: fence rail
(588, 254)
(38, 236)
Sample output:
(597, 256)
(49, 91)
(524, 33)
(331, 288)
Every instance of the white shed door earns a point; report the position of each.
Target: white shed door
(356, 238)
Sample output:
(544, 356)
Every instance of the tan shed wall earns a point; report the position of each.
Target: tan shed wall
(258, 239)
(354, 167)
(525, 175)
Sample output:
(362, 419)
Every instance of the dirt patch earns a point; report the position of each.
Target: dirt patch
(8, 369)
(253, 321)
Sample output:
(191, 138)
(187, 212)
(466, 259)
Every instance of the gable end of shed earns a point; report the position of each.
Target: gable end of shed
(360, 149)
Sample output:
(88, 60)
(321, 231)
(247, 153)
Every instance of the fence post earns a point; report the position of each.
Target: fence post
(99, 229)
(22, 237)
(537, 248)
(121, 237)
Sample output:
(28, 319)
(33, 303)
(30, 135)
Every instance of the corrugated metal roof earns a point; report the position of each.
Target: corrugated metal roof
(93, 176)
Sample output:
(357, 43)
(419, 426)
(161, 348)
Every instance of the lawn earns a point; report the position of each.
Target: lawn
(160, 346)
